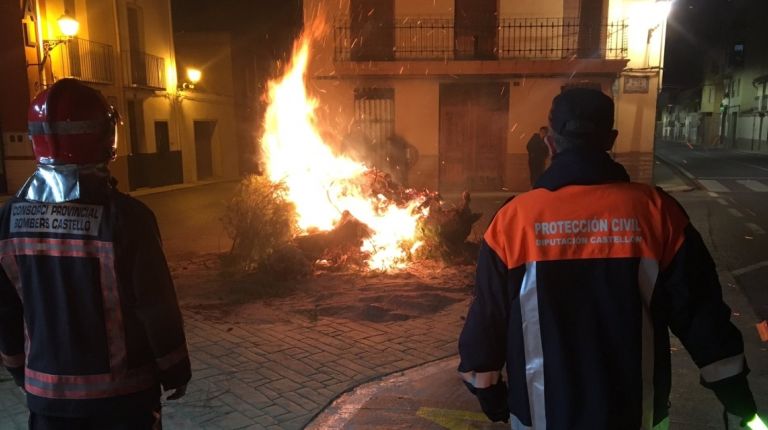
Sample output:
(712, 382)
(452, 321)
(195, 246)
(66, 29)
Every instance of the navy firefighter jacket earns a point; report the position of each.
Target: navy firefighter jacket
(578, 282)
(89, 320)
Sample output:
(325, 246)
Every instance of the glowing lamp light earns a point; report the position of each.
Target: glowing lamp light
(194, 75)
(662, 9)
(68, 25)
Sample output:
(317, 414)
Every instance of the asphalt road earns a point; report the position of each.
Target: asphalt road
(190, 219)
(733, 193)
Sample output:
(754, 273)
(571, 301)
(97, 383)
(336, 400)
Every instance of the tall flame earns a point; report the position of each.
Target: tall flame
(322, 184)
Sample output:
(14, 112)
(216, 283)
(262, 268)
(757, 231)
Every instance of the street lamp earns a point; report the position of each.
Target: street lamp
(193, 75)
(68, 26)
(659, 15)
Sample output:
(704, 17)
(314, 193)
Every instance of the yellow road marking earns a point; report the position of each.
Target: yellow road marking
(453, 419)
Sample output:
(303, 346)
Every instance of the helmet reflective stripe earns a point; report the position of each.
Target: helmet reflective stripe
(67, 127)
(72, 123)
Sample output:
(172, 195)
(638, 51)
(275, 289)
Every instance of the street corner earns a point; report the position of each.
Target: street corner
(670, 177)
(431, 396)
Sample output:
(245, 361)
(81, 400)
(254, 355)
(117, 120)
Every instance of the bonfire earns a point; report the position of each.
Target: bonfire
(339, 201)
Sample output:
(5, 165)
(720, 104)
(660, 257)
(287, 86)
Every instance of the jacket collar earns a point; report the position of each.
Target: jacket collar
(581, 167)
(64, 182)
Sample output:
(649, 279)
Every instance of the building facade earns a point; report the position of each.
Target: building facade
(680, 115)
(463, 84)
(126, 50)
(728, 109)
(736, 85)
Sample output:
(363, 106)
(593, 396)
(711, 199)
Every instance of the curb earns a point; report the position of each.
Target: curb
(156, 190)
(333, 410)
(176, 187)
(679, 169)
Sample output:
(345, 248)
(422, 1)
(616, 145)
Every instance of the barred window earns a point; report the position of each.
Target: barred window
(375, 119)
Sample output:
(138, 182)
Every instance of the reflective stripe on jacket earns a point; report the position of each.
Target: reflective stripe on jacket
(578, 282)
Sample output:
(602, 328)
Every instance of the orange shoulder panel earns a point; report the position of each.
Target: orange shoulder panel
(618, 220)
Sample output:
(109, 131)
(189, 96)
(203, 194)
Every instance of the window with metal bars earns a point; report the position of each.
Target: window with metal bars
(375, 119)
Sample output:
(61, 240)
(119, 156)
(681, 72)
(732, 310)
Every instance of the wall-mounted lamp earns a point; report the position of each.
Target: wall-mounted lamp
(193, 77)
(659, 15)
(68, 26)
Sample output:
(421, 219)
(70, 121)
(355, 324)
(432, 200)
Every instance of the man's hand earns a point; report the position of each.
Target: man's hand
(178, 393)
(493, 401)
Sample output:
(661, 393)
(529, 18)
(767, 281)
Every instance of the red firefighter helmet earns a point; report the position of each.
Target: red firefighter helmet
(71, 123)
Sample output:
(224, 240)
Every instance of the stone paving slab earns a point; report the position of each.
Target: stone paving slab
(279, 376)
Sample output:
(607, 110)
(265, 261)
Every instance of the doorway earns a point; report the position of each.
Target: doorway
(204, 148)
(591, 17)
(372, 29)
(138, 62)
(474, 120)
(475, 23)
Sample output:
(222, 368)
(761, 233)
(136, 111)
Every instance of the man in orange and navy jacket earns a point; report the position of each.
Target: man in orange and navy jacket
(90, 326)
(577, 284)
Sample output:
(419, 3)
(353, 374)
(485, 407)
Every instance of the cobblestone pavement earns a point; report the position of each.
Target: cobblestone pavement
(278, 376)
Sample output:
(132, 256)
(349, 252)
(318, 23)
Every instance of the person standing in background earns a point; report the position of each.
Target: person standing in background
(538, 151)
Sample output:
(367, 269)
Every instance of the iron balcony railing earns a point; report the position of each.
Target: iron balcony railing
(509, 38)
(144, 70)
(88, 60)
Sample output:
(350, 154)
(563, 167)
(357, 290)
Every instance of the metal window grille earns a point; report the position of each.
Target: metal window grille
(375, 119)
(144, 70)
(518, 38)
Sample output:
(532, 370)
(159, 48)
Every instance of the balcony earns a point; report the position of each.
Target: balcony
(88, 61)
(439, 39)
(144, 70)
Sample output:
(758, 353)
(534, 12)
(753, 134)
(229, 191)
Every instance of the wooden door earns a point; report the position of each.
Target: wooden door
(473, 136)
(162, 137)
(204, 148)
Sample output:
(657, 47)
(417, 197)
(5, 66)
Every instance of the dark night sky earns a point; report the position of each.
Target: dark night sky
(237, 15)
(695, 31)
(687, 42)
(265, 27)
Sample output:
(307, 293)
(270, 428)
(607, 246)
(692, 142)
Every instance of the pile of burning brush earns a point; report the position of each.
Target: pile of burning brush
(265, 237)
(318, 207)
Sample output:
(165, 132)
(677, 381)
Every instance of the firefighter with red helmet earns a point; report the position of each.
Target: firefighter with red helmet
(90, 325)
